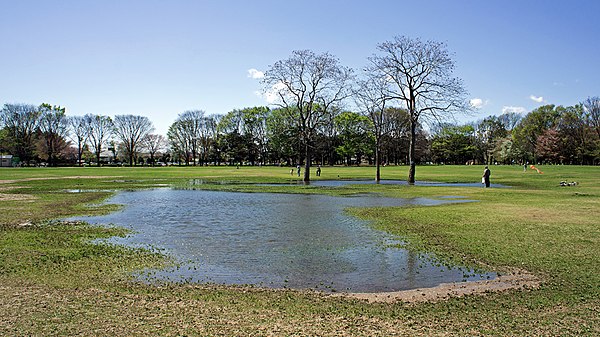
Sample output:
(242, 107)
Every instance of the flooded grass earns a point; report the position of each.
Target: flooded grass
(54, 281)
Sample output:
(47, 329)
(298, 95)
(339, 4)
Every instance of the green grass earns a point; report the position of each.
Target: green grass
(55, 281)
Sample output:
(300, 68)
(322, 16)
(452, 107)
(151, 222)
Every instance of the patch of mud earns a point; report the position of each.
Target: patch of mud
(16, 197)
(516, 280)
(50, 178)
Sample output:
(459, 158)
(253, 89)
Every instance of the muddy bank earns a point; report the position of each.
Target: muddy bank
(514, 280)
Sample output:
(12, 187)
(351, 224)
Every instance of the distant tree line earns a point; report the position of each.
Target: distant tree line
(262, 136)
(549, 134)
(45, 134)
(394, 111)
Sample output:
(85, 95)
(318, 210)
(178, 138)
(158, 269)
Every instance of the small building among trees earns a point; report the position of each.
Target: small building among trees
(6, 160)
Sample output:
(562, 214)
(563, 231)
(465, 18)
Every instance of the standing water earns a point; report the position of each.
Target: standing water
(276, 240)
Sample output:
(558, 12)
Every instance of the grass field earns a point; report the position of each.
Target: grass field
(54, 281)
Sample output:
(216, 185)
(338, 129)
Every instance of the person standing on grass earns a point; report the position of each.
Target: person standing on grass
(486, 176)
(319, 171)
(299, 169)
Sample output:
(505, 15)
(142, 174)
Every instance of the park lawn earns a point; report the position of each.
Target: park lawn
(54, 281)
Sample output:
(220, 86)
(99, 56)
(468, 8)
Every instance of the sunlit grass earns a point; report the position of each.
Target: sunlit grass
(55, 281)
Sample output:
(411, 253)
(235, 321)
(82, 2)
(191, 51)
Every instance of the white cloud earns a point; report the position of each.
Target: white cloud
(478, 103)
(256, 74)
(539, 99)
(513, 109)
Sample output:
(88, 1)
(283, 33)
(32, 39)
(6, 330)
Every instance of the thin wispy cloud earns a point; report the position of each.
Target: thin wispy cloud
(513, 109)
(256, 74)
(538, 99)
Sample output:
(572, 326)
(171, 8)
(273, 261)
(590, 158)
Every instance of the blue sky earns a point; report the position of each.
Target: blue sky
(160, 58)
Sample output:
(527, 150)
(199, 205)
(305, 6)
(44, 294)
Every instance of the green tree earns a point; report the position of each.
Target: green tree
(283, 135)
(525, 134)
(21, 121)
(4, 140)
(454, 144)
(251, 123)
(489, 132)
(395, 143)
(505, 152)
(54, 127)
(235, 147)
(212, 144)
(574, 139)
(209, 139)
(356, 139)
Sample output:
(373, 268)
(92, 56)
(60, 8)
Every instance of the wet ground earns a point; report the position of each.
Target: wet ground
(345, 182)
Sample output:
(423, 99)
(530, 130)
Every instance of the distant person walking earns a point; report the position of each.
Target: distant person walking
(298, 169)
(486, 176)
(319, 171)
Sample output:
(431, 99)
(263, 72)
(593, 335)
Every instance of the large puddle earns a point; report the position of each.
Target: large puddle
(275, 240)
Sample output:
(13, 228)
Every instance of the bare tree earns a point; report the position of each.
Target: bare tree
(371, 100)
(192, 127)
(510, 120)
(79, 133)
(591, 108)
(154, 143)
(130, 130)
(54, 126)
(179, 141)
(100, 129)
(186, 134)
(419, 76)
(21, 121)
(308, 87)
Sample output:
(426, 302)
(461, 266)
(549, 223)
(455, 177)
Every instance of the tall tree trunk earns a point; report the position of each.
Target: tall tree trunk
(411, 152)
(49, 152)
(307, 158)
(79, 153)
(377, 161)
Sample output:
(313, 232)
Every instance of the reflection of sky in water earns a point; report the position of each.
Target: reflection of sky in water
(274, 240)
